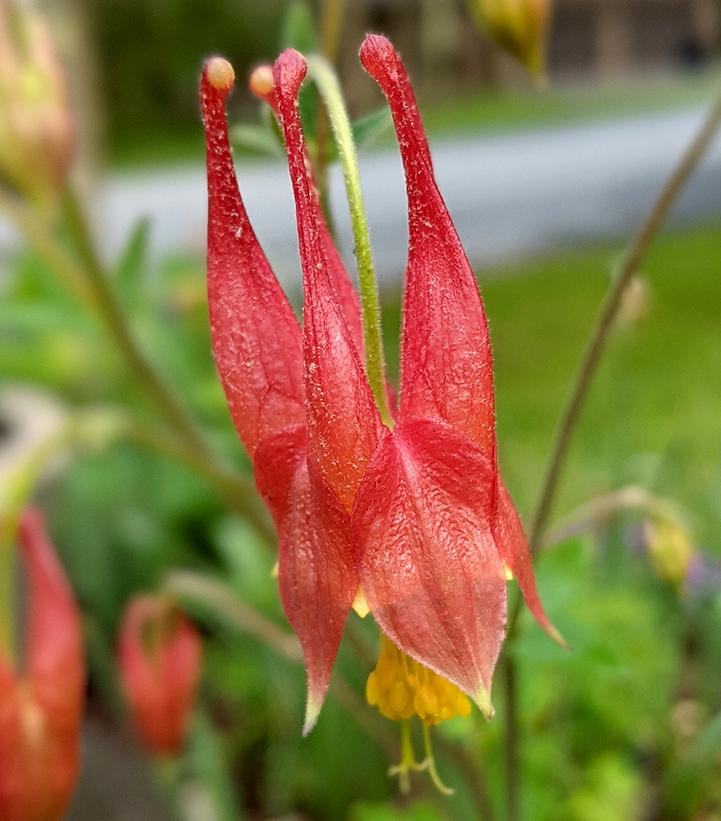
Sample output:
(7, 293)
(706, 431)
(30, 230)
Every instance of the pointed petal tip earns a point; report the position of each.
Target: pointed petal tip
(312, 711)
(557, 636)
(482, 698)
(219, 73)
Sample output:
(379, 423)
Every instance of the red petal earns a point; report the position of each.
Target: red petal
(343, 422)
(276, 462)
(345, 292)
(317, 575)
(256, 337)
(429, 567)
(446, 364)
(513, 547)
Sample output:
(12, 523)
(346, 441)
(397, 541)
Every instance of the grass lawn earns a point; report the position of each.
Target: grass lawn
(654, 414)
(499, 111)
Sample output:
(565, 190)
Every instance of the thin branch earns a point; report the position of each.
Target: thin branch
(87, 281)
(629, 267)
(597, 344)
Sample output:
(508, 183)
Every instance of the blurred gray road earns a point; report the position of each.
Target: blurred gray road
(511, 195)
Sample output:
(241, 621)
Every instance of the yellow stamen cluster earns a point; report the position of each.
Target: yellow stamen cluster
(401, 687)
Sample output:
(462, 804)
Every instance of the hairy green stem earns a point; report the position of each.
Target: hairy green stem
(327, 83)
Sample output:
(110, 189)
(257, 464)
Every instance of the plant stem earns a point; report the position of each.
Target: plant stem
(48, 249)
(597, 343)
(331, 24)
(512, 762)
(217, 597)
(113, 316)
(87, 280)
(327, 83)
(630, 264)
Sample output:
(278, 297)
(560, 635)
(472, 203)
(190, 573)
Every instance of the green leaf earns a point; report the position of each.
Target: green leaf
(258, 139)
(133, 261)
(370, 128)
(298, 29)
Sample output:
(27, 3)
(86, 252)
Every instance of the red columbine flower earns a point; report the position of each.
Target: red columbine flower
(159, 655)
(416, 517)
(41, 705)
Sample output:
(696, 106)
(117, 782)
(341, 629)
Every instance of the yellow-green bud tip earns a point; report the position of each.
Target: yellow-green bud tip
(220, 73)
(483, 701)
(261, 81)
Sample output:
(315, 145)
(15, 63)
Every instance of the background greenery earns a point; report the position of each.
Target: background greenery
(627, 725)
(609, 728)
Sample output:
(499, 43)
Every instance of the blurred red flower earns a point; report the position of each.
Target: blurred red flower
(159, 654)
(41, 703)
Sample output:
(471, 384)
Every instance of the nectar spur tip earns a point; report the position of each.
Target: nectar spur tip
(220, 73)
(261, 82)
(312, 711)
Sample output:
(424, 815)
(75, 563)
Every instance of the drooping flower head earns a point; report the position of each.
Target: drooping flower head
(41, 702)
(412, 512)
(159, 656)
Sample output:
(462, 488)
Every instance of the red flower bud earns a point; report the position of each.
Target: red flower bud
(159, 655)
(41, 707)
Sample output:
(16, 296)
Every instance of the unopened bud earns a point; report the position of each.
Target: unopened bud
(261, 81)
(37, 130)
(518, 26)
(635, 302)
(669, 548)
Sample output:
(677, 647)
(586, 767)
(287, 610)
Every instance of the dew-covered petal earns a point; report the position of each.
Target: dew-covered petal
(275, 465)
(428, 565)
(345, 291)
(317, 576)
(446, 364)
(256, 337)
(343, 422)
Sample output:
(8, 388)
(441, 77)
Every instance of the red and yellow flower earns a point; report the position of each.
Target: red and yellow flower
(410, 511)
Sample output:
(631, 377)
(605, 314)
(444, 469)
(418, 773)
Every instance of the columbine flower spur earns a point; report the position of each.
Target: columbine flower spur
(402, 509)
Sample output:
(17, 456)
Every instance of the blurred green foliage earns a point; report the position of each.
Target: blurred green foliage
(624, 726)
(150, 54)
